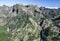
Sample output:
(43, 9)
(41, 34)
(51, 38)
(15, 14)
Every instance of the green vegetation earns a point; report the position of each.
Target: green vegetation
(3, 34)
(29, 23)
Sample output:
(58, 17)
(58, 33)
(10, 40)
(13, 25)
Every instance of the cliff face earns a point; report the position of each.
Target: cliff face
(30, 23)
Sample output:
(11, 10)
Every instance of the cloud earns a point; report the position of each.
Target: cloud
(52, 7)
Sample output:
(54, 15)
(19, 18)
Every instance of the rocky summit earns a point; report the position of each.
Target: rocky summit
(29, 23)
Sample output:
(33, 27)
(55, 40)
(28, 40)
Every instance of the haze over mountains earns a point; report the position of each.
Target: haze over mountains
(29, 23)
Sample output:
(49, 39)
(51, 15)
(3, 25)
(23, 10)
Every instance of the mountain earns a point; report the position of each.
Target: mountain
(29, 23)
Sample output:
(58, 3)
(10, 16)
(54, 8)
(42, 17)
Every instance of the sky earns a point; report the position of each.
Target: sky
(43, 3)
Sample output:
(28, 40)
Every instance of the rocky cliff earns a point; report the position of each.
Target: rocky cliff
(29, 23)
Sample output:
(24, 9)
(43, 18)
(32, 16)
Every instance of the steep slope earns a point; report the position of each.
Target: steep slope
(29, 23)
